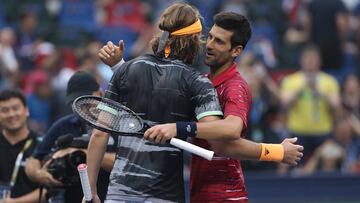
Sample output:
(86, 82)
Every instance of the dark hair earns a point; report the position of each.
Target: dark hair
(236, 23)
(12, 93)
(175, 17)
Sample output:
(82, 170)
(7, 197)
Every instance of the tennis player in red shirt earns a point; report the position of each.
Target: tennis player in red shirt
(222, 180)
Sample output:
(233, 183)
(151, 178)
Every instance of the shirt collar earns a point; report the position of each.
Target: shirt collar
(225, 75)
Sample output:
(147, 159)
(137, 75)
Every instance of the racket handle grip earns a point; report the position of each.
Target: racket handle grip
(84, 179)
(206, 154)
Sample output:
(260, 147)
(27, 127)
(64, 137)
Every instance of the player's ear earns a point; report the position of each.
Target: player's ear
(236, 51)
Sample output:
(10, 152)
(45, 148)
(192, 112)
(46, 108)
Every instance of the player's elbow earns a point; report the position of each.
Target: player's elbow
(232, 127)
(233, 133)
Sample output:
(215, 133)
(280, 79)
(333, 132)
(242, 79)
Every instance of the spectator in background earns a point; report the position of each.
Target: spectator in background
(352, 163)
(125, 13)
(53, 64)
(88, 63)
(350, 96)
(42, 50)
(17, 143)
(356, 13)
(208, 8)
(337, 153)
(9, 66)
(26, 35)
(41, 97)
(329, 27)
(311, 98)
(102, 71)
(237, 6)
(329, 156)
(326, 24)
(350, 100)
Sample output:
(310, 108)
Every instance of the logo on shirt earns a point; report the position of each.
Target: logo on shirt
(188, 128)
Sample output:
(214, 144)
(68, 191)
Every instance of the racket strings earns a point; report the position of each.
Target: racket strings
(109, 116)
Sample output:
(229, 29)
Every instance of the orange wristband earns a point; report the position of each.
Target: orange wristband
(271, 152)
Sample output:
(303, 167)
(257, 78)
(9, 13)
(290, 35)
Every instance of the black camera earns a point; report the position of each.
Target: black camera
(64, 169)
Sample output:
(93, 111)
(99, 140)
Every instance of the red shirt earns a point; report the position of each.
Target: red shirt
(222, 180)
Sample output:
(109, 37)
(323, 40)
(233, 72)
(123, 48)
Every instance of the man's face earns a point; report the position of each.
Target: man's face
(218, 47)
(311, 61)
(13, 114)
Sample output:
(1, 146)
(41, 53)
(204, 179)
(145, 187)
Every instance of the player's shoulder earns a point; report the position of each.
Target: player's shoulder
(154, 60)
(238, 81)
(236, 85)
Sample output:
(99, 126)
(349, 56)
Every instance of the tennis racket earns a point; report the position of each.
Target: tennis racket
(112, 117)
(85, 185)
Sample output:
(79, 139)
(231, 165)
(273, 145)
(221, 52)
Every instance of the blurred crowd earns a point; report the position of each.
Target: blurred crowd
(301, 63)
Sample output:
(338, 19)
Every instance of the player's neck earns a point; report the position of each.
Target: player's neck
(14, 137)
(215, 71)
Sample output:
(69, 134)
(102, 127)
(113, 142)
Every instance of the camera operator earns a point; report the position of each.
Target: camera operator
(42, 170)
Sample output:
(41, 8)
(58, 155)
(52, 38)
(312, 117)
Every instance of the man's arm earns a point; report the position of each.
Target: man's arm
(96, 151)
(248, 150)
(239, 148)
(209, 128)
(289, 97)
(244, 149)
(229, 128)
(39, 174)
(332, 99)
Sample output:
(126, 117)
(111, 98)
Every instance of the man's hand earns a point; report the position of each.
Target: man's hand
(44, 177)
(161, 133)
(111, 54)
(292, 152)
(95, 199)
